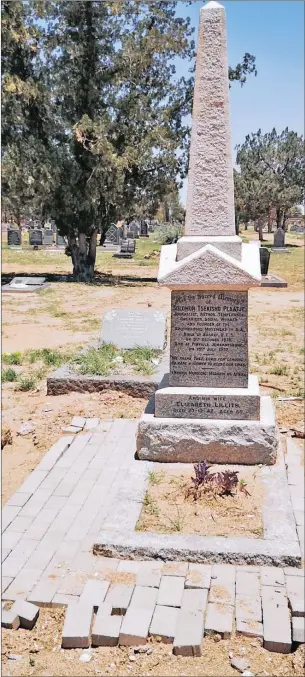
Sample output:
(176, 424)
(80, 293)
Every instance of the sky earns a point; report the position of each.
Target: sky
(272, 30)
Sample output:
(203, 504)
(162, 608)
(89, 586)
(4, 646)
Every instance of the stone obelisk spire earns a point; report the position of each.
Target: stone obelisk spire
(210, 195)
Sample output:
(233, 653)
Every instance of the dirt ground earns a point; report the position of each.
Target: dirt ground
(41, 654)
(168, 507)
(68, 315)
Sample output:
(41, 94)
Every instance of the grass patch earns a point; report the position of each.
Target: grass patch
(279, 370)
(101, 361)
(26, 383)
(9, 375)
(50, 357)
(12, 358)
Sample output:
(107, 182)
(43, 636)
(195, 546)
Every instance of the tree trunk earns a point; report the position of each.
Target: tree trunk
(279, 215)
(260, 229)
(236, 224)
(246, 225)
(83, 256)
(269, 221)
(285, 217)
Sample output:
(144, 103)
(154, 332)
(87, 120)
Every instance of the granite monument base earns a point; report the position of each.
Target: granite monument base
(190, 440)
(211, 403)
(229, 244)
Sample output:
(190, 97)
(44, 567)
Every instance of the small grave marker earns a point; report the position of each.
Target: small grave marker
(134, 328)
(13, 238)
(35, 237)
(47, 237)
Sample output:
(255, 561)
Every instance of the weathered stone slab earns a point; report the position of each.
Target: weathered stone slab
(135, 626)
(189, 633)
(186, 440)
(219, 620)
(77, 626)
(221, 403)
(249, 628)
(230, 244)
(134, 328)
(164, 623)
(13, 237)
(209, 339)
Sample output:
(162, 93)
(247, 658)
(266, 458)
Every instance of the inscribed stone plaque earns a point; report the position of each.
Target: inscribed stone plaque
(209, 339)
(279, 238)
(228, 407)
(35, 237)
(134, 328)
(13, 237)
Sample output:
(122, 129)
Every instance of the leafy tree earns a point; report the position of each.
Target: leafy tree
(272, 173)
(110, 113)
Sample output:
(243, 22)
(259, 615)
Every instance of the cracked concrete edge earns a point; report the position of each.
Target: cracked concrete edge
(137, 545)
(278, 516)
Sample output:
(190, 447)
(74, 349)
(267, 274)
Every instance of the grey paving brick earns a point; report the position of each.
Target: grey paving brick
(249, 628)
(63, 600)
(164, 623)
(24, 548)
(171, 591)
(78, 421)
(28, 613)
(5, 582)
(53, 478)
(298, 630)
(291, 571)
(10, 620)
(194, 599)
(75, 450)
(224, 572)
(23, 583)
(247, 583)
(297, 500)
(129, 566)
(43, 593)
(106, 628)
(299, 518)
(76, 632)
(248, 568)
(198, 576)
(276, 594)
(4, 553)
(55, 452)
(91, 423)
(277, 628)
(12, 565)
(71, 584)
(144, 597)
(135, 626)
(296, 594)
(35, 503)
(9, 513)
(119, 596)
(71, 429)
(55, 503)
(189, 633)
(10, 539)
(222, 591)
(219, 619)
(272, 576)
(18, 499)
(149, 574)
(175, 569)
(32, 482)
(94, 593)
(20, 524)
(248, 607)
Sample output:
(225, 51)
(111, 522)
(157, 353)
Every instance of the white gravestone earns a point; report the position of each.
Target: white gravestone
(134, 329)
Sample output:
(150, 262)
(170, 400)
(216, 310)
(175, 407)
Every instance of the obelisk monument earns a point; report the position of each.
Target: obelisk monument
(208, 406)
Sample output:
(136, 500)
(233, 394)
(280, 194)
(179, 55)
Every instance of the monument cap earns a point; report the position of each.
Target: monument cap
(213, 5)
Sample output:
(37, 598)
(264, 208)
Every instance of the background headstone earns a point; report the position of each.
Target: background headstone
(112, 235)
(135, 229)
(279, 238)
(60, 240)
(264, 255)
(134, 328)
(13, 238)
(47, 236)
(144, 229)
(35, 237)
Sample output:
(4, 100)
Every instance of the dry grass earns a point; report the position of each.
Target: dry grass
(167, 508)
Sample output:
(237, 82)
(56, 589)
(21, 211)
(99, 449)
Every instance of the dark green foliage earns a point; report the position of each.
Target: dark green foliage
(8, 375)
(12, 358)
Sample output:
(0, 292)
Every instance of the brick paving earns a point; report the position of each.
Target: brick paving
(51, 523)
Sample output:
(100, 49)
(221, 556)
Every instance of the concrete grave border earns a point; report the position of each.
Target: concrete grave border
(278, 547)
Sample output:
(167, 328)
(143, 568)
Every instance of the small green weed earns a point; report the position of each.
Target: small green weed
(26, 383)
(12, 358)
(9, 375)
(279, 370)
(97, 361)
(140, 359)
(155, 477)
(150, 505)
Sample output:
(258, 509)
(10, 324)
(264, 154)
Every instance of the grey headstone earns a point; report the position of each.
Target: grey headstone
(13, 237)
(279, 238)
(131, 246)
(264, 254)
(135, 229)
(35, 237)
(134, 328)
(60, 240)
(144, 229)
(112, 235)
(47, 236)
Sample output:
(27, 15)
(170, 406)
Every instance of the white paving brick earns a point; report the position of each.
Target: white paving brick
(277, 628)
(194, 599)
(10, 620)
(135, 626)
(55, 452)
(149, 574)
(171, 591)
(11, 538)
(23, 583)
(224, 572)
(247, 583)
(175, 569)
(91, 423)
(219, 620)
(296, 594)
(94, 593)
(222, 591)
(33, 481)
(43, 593)
(28, 613)
(144, 597)
(76, 632)
(78, 421)
(20, 524)
(249, 628)
(248, 608)
(272, 576)
(129, 566)
(198, 576)
(18, 499)
(106, 628)
(189, 633)
(64, 600)
(8, 514)
(119, 596)
(298, 630)
(5, 582)
(164, 623)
